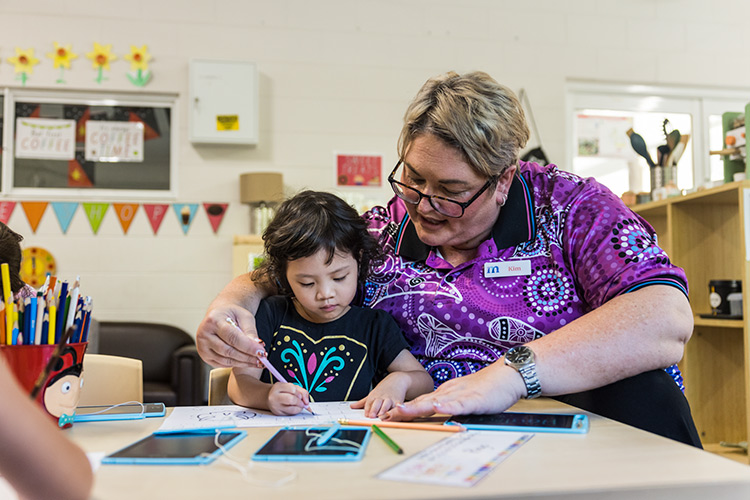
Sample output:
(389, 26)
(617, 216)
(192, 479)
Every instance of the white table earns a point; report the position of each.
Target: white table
(612, 461)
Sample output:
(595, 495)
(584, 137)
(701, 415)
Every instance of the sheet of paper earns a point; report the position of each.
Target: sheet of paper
(460, 460)
(209, 417)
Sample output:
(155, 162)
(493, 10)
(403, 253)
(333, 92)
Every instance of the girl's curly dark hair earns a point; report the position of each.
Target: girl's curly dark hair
(307, 223)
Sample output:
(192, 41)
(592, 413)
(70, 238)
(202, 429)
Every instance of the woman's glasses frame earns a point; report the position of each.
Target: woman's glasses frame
(407, 193)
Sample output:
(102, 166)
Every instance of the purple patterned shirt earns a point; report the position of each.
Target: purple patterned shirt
(561, 247)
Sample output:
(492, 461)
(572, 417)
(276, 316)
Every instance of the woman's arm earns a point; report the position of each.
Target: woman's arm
(219, 342)
(35, 456)
(631, 334)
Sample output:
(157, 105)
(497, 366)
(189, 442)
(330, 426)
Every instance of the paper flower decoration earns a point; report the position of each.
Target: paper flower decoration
(139, 74)
(61, 58)
(100, 59)
(24, 62)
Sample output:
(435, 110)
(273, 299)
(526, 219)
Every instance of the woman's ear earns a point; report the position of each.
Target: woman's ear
(503, 185)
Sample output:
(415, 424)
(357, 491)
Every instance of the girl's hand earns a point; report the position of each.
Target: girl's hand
(390, 392)
(287, 399)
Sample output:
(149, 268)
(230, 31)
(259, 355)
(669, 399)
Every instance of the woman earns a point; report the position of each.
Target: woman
(510, 280)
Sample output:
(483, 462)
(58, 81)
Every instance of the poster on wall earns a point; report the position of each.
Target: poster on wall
(358, 170)
(45, 139)
(603, 135)
(114, 141)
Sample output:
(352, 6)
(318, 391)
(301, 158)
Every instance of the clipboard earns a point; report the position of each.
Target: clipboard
(177, 448)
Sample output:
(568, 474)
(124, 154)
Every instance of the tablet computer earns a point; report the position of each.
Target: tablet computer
(186, 448)
(129, 411)
(524, 422)
(302, 444)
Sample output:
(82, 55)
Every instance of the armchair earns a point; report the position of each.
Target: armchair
(173, 373)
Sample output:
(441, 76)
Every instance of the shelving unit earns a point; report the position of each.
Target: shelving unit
(704, 233)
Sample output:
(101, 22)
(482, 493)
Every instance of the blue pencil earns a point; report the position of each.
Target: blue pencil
(61, 303)
(32, 321)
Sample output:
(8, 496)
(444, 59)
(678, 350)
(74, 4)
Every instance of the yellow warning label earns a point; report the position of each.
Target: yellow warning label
(227, 122)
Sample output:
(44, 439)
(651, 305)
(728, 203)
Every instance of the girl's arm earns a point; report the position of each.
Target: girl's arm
(406, 379)
(246, 389)
(35, 456)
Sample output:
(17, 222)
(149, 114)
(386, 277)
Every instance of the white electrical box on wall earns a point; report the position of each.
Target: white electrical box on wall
(223, 102)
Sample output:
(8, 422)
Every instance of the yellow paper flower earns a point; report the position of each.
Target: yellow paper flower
(62, 56)
(138, 58)
(101, 56)
(24, 61)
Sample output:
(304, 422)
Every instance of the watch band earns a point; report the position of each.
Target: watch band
(533, 387)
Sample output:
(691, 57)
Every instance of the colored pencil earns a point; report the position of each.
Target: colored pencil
(8, 299)
(40, 308)
(272, 369)
(405, 425)
(52, 324)
(390, 442)
(74, 293)
(3, 339)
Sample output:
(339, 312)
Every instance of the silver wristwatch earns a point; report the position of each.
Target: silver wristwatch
(523, 360)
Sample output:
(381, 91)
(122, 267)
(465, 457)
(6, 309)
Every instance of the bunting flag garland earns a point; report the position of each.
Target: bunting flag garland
(185, 213)
(6, 210)
(95, 213)
(64, 210)
(215, 213)
(34, 211)
(155, 214)
(125, 213)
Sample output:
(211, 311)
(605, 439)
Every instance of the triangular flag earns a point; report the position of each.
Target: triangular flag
(125, 212)
(77, 176)
(185, 213)
(95, 213)
(155, 214)
(34, 211)
(64, 211)
(148, 132)
(6, 210)
(216, 213)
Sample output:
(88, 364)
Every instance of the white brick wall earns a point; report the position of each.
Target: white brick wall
(335, 75)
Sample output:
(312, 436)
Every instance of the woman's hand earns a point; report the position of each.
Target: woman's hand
(287, 399)
(493, 389)
(227, 337)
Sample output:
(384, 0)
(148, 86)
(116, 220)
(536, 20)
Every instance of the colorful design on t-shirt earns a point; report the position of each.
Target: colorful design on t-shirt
(548, 290)
(316, 365)
(633, 243)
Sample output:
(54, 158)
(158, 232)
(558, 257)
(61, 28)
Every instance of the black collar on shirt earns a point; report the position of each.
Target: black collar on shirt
(514, 225)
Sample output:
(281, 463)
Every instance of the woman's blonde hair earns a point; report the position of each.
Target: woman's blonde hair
(473, 113)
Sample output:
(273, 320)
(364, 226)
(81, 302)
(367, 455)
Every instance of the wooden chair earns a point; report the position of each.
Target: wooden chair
(218, 378)
(109, 380)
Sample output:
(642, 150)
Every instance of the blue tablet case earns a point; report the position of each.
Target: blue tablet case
(576, 423)
(175, 448)
(298, 444)
(134, 413)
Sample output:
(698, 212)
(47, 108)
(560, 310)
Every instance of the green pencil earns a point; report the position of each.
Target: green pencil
(390, 442)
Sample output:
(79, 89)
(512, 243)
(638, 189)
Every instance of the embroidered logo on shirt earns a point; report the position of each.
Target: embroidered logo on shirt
(512, 268)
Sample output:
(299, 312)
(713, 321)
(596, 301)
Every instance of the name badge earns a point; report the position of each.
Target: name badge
(513, 268)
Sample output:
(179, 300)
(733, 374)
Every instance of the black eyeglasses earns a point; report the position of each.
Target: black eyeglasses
(441, 204)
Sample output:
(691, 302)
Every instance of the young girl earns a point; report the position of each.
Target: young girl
(318, 253)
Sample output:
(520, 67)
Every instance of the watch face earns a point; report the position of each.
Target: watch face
(520, 355)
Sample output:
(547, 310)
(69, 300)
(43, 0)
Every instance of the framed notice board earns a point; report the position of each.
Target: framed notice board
(223, 102)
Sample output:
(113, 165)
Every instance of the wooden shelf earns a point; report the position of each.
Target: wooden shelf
(704, 233)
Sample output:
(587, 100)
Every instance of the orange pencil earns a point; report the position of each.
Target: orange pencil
(405, 425)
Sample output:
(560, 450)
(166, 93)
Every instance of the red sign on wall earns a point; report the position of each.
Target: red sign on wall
(359, 170)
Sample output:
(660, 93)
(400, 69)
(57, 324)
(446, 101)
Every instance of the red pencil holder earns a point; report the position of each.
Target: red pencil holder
(61, 390)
